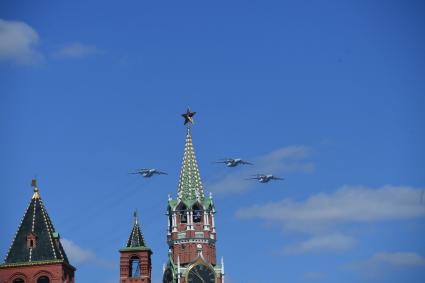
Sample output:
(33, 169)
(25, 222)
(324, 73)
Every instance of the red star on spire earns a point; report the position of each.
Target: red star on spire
(188, 116)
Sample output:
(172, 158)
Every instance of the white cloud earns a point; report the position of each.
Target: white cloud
(17, 43)
(280, 161)
(75, 253)
(293, 152)
(78, 255)
(77, 50)
(348, 204)
(399, 259)
(323, 213)
(286, 159)
(381, 264)
(331, 242)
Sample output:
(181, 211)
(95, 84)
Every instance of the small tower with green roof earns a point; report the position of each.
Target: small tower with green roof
(135, 257)
(191, 233)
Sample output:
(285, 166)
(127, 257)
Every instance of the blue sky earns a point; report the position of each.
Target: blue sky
(328, 94)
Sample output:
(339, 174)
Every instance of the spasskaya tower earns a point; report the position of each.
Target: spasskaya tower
(191, 233)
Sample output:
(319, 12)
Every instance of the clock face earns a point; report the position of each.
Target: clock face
(168, 276)
(201, 274)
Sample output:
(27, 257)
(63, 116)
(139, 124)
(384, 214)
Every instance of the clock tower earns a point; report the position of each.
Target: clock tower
(191, 233)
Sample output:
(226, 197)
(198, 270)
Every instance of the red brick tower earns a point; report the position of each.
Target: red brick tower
(135, 258)
(191, 228)
(36, 254)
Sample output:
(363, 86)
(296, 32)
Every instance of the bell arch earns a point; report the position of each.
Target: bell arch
(182, 212)
(134, 267)
(197, 212)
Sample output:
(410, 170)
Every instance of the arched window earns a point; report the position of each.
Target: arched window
(134, 269)
(197, 213)
(19, 280)
(183, 213)
(43, 279)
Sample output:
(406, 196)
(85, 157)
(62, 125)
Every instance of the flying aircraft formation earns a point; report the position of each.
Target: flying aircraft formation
(233, 162)
(148, 172)
(229, 162)
(262, 178)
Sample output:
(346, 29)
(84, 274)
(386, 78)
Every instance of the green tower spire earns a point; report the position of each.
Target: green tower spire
(190, 185)
(136, 237)
(136, 242)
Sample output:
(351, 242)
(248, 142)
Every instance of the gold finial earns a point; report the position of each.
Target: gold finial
(135, 217)
(34, 185)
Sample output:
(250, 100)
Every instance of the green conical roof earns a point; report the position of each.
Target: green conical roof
(190, 185)
(136, 237)
(136, 241)
(36, 223)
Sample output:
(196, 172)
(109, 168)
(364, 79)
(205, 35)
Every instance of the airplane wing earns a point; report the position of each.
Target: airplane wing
(254, 178)
(161, 173)
(259, 175)
(246, 162)
(277, 178)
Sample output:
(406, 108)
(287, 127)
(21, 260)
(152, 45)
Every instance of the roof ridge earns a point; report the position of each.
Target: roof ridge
(49, 223)
(16, 234)
(49, 229)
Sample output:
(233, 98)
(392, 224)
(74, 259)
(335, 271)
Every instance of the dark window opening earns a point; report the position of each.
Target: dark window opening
(197, 214)
(134, 267)
(183, 214)
(43, 279)
(31, 240)
(19, 280)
